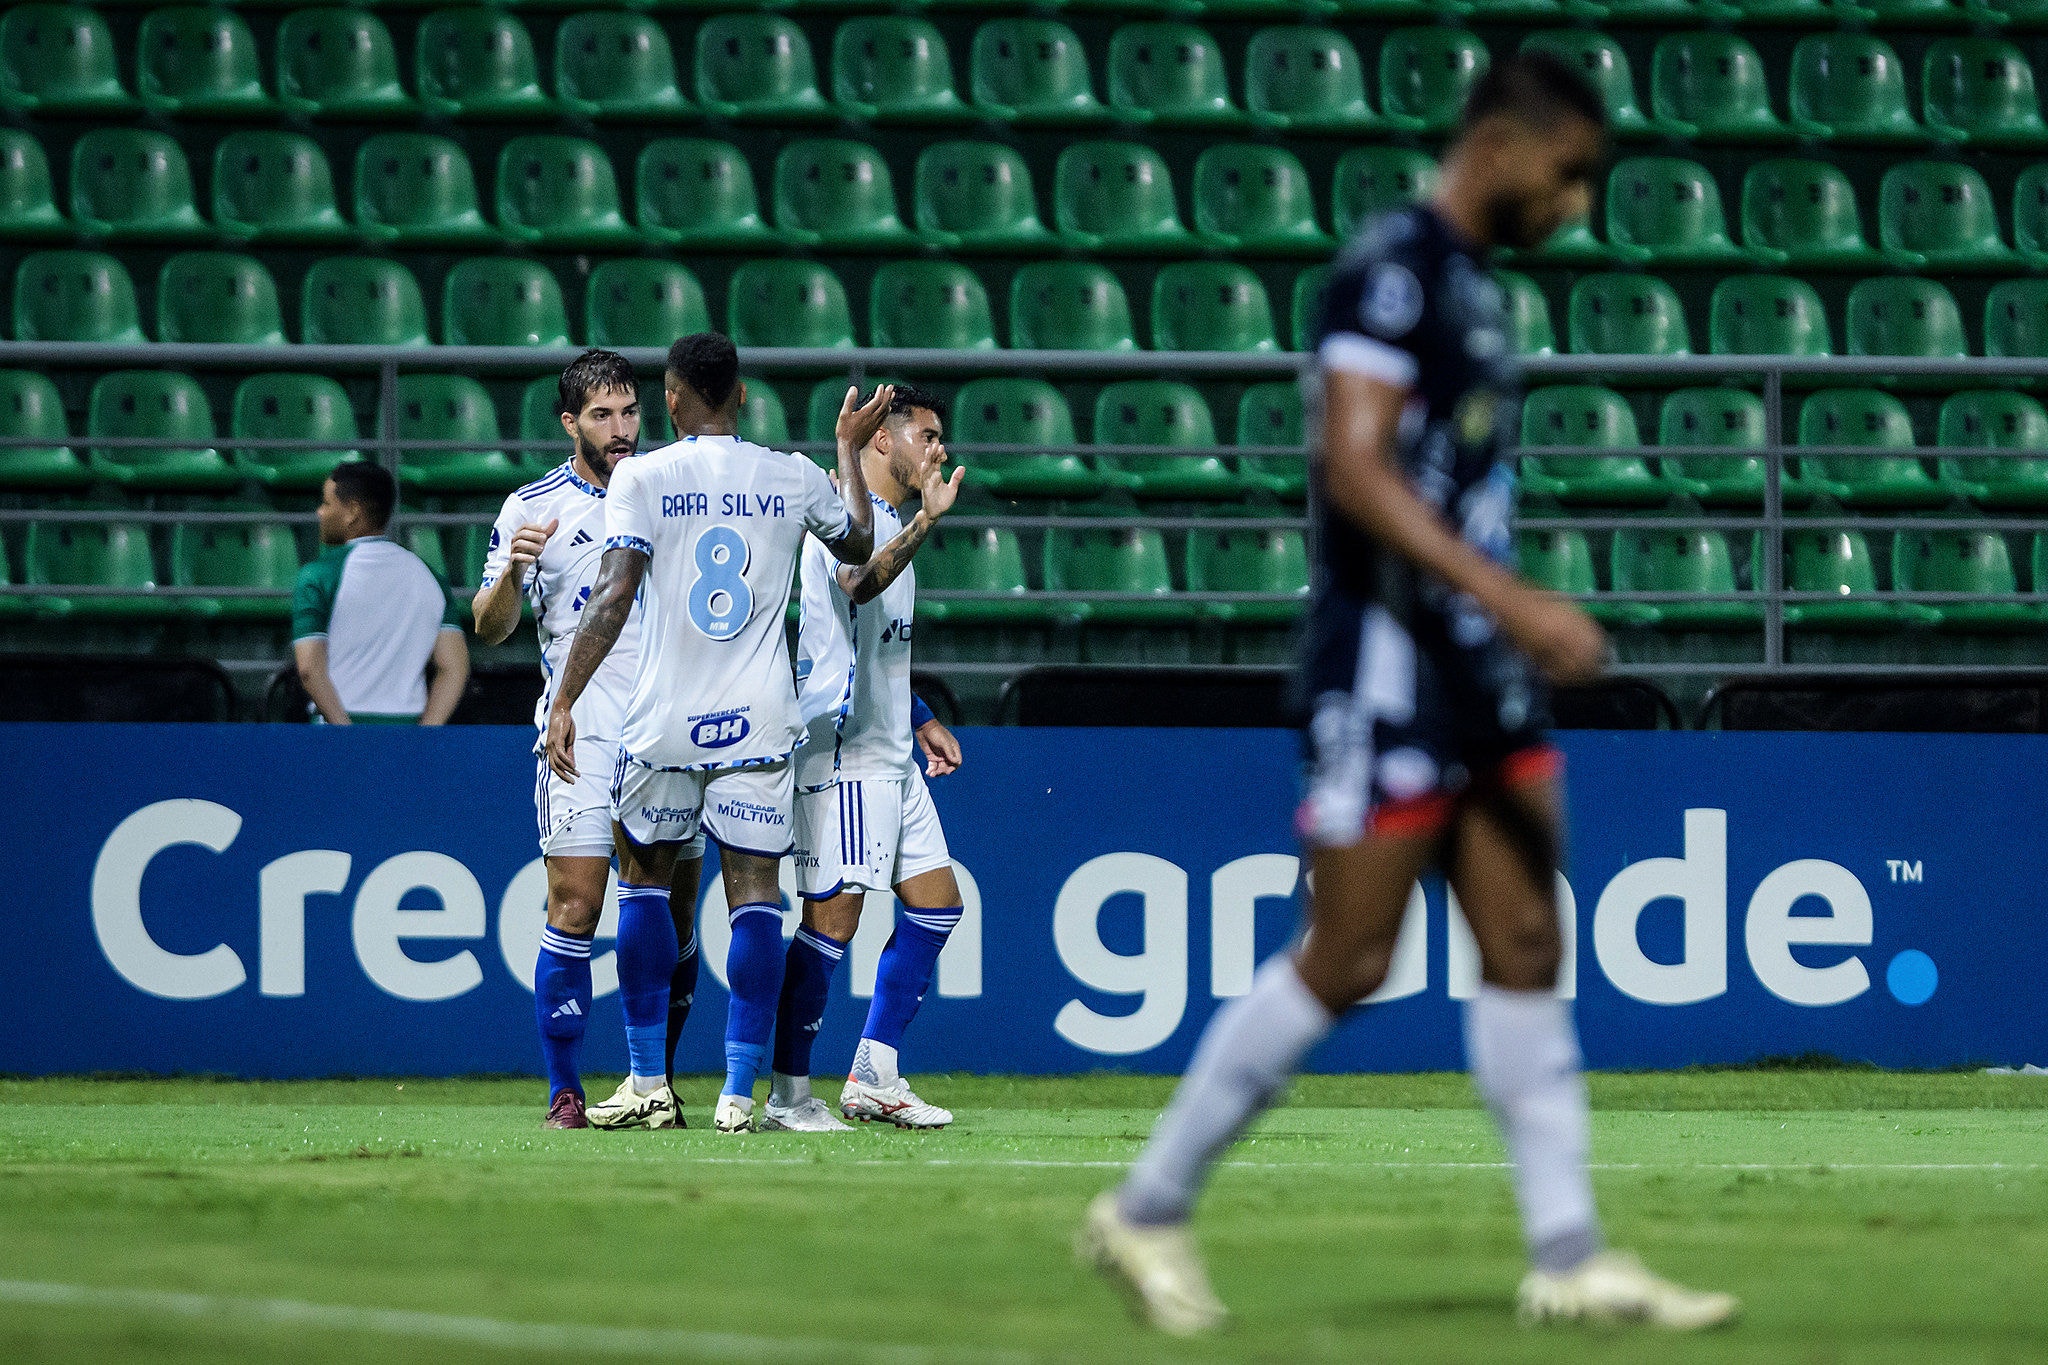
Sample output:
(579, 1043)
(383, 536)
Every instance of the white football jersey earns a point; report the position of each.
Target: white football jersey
(559, 586)
(723, 521)
(853, 669)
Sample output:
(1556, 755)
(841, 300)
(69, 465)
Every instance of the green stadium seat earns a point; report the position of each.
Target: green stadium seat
(821, 411)
(1803, 214)
(1710, 87)
(1308, 297)
(502, 301)
(1623, 314)
(274, 188)
(1923, 14)
(1032, 72)
(1665, 210)
(1116, 196)
(1270, 414)
(695, 192)
(98, 554)
(1767, 315)
(361, 301)
(1839, 564)
(1723, 417)
(452, 407)
(1964, 561)
(1113, 561)
(1523, 11)
(1939, 215)
(976, 196)
(1562, 562)
(2030, 215)
(1605, 66)
(1069, 306)
(262, 554)
(981, 559)
(1225, 560)
(28, 204)
(1373, 180)
(1388, 11)
(930, 303)
(1210, 306)
(1994, 417)
(472, 63)
(341, 64)
(218, 297)
(1256, 200)
(656, 430)
(1306, 80)
(787, 303)
(425, 541)
(1669, 13)
(559, 193)
(610, 65)
(30, 407)
(1868, 418)
(2024, 16)
(1686, 561)
(1906, 316)
(1169, 76)
(757, 66)
(2016, 319)
(59, 60)
(1021, 412)
(1980, 92)
(539, 420)
(418, 190)
(1529, 329)
(837, 195)
(1161, 412)
(293, 407)
(1586, 415)
(1425, 74)
(74, 296)
(642, 302)
(199, 61)
(1851, 88)
(763, 419)
(1784, 13)
(132, 185)
(895, 69)
(161, 405)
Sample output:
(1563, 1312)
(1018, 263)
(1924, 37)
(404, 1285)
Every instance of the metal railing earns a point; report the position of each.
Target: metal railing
(1771, 376)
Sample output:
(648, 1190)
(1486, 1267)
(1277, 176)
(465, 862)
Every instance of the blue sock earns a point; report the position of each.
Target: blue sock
(905, 971)
(561, 1001)
(647, 957)
(682, 992)
(753, 973)
(806, 981)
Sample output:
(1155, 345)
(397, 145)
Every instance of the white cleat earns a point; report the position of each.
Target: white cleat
(808, 1115)
(735, 1114)
(1156, 1268)
(1615, 1287)
(625, 1109)
(891, 1103)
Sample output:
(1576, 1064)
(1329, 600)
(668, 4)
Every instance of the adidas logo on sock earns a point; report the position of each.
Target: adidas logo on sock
(570, 1008)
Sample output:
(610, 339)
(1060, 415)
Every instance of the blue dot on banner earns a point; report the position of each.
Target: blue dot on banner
(1912, 977)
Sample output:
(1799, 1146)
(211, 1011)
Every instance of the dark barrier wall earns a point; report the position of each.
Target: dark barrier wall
(278, 901)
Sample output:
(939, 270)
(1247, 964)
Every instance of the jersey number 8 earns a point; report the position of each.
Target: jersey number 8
(720, 600)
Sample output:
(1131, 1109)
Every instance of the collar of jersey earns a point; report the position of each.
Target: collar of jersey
(569, 468)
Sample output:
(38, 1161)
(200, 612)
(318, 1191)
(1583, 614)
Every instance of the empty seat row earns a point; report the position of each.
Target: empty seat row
(1865, 456)
(1835, 565)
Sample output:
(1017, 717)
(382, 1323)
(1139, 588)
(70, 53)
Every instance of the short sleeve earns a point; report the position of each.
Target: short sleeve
(499, 557)
(313, 598)
(628, 513)
(825, 516)
(1372, 311)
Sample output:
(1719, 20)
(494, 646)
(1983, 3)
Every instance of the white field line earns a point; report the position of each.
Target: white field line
(502, 1333)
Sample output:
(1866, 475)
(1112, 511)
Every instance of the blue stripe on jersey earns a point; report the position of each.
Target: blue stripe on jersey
(630, 543)
(547, 482)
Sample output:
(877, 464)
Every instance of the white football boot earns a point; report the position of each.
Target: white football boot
(1615, 1287)
(891, 1103)
(735, 1114)
(807, 1115)
(626, 1109)
(1156, 1268)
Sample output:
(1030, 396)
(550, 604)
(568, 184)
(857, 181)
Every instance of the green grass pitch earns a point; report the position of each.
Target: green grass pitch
(1862, 1217)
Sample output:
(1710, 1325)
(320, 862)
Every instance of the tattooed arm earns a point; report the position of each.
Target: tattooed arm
(865, 582)
(604, 616)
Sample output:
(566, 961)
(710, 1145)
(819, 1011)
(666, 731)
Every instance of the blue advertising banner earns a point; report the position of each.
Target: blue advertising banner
(293, 901)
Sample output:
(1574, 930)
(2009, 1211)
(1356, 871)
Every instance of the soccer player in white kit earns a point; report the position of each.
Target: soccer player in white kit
(864, 821)
(545, 549)
(706, 532)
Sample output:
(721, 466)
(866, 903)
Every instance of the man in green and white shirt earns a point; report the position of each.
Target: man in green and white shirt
(368, 616)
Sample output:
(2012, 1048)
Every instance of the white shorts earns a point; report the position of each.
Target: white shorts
(866, 835)
(576, 817)
(744, 809)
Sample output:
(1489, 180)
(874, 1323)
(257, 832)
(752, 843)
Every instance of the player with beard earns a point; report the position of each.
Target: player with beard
(545, 549)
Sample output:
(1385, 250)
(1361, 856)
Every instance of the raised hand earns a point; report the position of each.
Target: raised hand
(940, 492)
(857, 425)
(528, 541)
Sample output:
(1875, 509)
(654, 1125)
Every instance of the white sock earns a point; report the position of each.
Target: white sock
(1524, 1055)
(1246, 1056)
(787, 1092)
(874, 1063)
(647, 1085)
